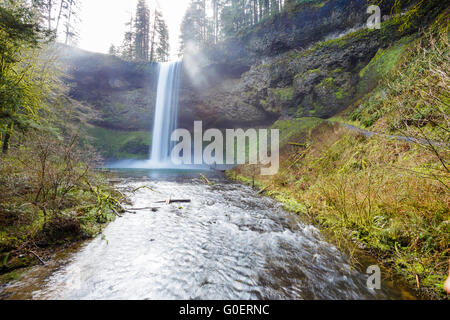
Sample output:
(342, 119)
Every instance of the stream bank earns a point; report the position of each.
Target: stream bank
(228, 243)
(355, 189)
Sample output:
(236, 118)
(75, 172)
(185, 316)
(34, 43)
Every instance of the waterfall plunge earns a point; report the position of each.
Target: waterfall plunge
(166, 112)
(165, 122)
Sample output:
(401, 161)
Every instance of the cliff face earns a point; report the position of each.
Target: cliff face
(122, 93)
(284, 67)
(253, 79)
(296, 27)
(307, 61)
(312, 60)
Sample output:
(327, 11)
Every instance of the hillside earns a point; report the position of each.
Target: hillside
(381, 194)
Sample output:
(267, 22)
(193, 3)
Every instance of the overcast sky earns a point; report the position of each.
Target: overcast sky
(103, 22)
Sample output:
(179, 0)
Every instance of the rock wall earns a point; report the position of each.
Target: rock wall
(311, 60)
(122, 93)
(303, 62)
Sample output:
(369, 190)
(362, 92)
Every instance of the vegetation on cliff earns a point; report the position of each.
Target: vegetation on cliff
(115, 144)
(49, 192)
(388, 195)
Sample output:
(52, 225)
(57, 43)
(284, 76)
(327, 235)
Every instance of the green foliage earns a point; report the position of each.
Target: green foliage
(120, 144)
(414, 10)
(146, 38)
(414, 99)
(26, 74)
(382, 194)
(50, 196)
(388, 196)
(162, 31)
(141, 36)
(206, 23)
(381, 65)
(290, 129)
(284, 94)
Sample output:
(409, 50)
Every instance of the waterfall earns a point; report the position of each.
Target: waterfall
(166, 111)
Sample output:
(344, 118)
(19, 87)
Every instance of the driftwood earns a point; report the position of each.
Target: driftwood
(116, 213)
(302, 145)
(169, 201)
(262, 190)
(39, 258)
(205, 179)
(141, 209)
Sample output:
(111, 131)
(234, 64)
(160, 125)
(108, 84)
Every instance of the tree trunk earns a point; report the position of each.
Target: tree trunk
(49, 14)
(69, 17)
(152, 48)
(255, 11)
(5, 146)
(7, 139)
(59, 15)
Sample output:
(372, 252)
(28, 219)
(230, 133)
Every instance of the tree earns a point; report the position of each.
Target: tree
(112, 50)
(25, 76)
(142, 31)
(156, 16)
(162, 51)
(192, 28)
(147, 37)
(46, 10)
(52, 14)
(70, 15)
(127, 49)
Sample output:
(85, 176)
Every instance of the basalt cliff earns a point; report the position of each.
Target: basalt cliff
(313, 60)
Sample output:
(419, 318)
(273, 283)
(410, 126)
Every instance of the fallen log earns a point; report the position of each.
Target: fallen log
(39, 258)
(116, 213)
(175, 201)
(263, 190)
(141, 209)
(302, 145)
(205, 179)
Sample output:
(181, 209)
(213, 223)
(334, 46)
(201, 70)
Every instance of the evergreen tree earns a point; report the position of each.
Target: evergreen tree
(193, 27)
(54, 14)
(127, 49)
(153, 38)
(142, 32)
(162, 51)
(112, 50)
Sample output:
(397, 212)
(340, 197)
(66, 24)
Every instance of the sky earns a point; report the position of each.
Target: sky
(103, 22)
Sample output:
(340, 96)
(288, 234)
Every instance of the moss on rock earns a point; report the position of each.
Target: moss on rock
(115, 144)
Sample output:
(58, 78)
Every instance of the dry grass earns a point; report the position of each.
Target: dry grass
(381, 193)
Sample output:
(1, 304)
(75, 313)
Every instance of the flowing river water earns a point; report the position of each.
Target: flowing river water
(228, 243)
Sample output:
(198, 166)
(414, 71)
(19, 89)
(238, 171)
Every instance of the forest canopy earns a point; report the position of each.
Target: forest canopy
(146, 38)
(26, 76)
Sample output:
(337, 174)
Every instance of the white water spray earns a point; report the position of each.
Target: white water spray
(166, 111)
(165, 121)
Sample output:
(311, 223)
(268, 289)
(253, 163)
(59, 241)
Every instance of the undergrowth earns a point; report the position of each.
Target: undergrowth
(388, 196)
(50, 196)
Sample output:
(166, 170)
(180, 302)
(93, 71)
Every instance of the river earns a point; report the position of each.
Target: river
(228, 243)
